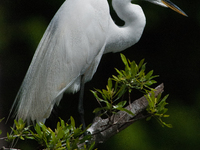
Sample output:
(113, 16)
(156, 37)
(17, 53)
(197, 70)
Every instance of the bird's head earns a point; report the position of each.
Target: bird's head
(168, 3)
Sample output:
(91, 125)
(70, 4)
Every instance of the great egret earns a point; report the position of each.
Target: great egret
(71, 48)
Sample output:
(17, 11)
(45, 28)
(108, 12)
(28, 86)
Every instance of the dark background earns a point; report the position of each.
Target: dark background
(170, 46)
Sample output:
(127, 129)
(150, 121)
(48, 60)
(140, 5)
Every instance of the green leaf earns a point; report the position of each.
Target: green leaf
(148, 118)
(21, 137)
(16, 123)
(44, 128)
(68, 144)
(72, 122)
(121, 91)
(30, 137)
(119, 72)
(95, 94)
(92, 146)
(140, 63)
(153, 77)
(99, 109)
(62, 123)
(115, 78)
(159, 97)
(149, 83)
(109, 106)
(149, 74)
(126, 110)
(124, 59)
(38, 130)
(165, 116)
(2, 119)
(109, 83)
(121, 104)
(60, 133)
(165, 98)
(134, 68)
(143, 67)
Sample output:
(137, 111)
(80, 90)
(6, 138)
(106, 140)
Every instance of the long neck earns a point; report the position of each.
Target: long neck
(123, 37)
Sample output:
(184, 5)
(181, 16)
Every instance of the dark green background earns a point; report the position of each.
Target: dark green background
(170, 45)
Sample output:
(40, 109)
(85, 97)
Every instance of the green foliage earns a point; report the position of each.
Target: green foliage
(156, 108)
(110, 97)
(65, 135)
(132, 77)
(19, 132)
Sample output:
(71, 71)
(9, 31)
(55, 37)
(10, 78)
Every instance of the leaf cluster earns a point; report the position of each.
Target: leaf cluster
(110, 97)
(65, 136)
(132, 77)
(156, 108)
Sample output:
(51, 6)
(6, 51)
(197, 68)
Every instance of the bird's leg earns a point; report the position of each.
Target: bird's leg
(80, 104)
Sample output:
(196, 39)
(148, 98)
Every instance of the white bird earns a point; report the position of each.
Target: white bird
(71, 48)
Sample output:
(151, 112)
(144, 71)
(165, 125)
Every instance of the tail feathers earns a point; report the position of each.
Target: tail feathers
(37, 111)
(31, 110)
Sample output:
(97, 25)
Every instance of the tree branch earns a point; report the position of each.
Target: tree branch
(103, 129)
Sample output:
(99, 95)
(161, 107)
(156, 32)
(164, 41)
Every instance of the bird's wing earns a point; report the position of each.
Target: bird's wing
(68, 48)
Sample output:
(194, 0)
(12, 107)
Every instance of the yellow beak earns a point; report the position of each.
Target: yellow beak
(173, 7)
